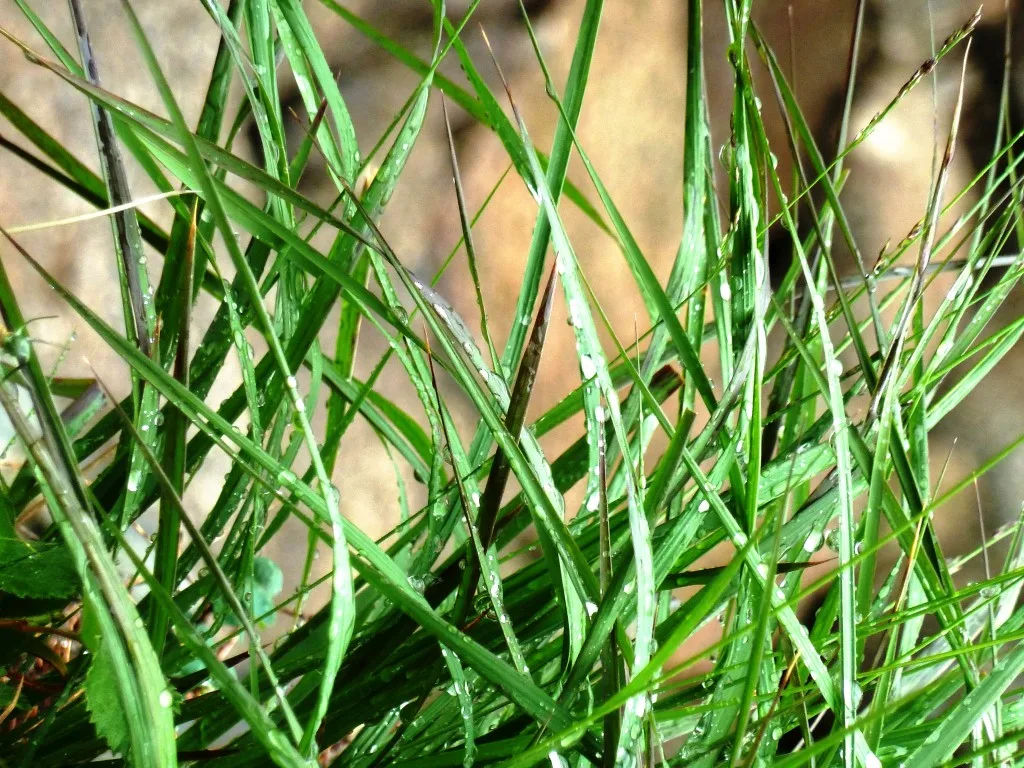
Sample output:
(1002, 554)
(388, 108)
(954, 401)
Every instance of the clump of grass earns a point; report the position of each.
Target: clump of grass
(438, 645)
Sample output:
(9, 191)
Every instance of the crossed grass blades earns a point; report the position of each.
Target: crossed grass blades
(442, 644)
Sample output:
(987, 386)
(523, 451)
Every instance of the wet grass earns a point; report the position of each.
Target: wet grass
(439, 645)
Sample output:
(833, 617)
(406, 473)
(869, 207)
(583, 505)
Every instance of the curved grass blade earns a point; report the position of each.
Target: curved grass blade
(139, 684)
(277, 745)
(953, 729)
(515, 418)
(342, 607)
(594, 369)
(486, 558)
(527, 459)
(378, 569)
(474, 107)
(173, 497)
(343, 156)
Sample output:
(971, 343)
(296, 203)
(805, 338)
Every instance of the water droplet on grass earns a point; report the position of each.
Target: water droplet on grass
(832, 540)
(588, 367)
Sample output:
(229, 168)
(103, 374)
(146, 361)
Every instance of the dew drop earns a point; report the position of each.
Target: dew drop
(812, 542)
(832, 540)
(587, 367)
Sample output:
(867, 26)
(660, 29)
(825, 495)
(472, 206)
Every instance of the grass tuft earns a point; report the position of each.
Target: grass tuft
(446, 641)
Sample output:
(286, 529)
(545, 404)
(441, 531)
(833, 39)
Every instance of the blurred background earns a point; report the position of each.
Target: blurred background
(631, 126)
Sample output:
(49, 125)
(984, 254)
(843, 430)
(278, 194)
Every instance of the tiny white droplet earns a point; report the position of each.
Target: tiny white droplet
(587, 367)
